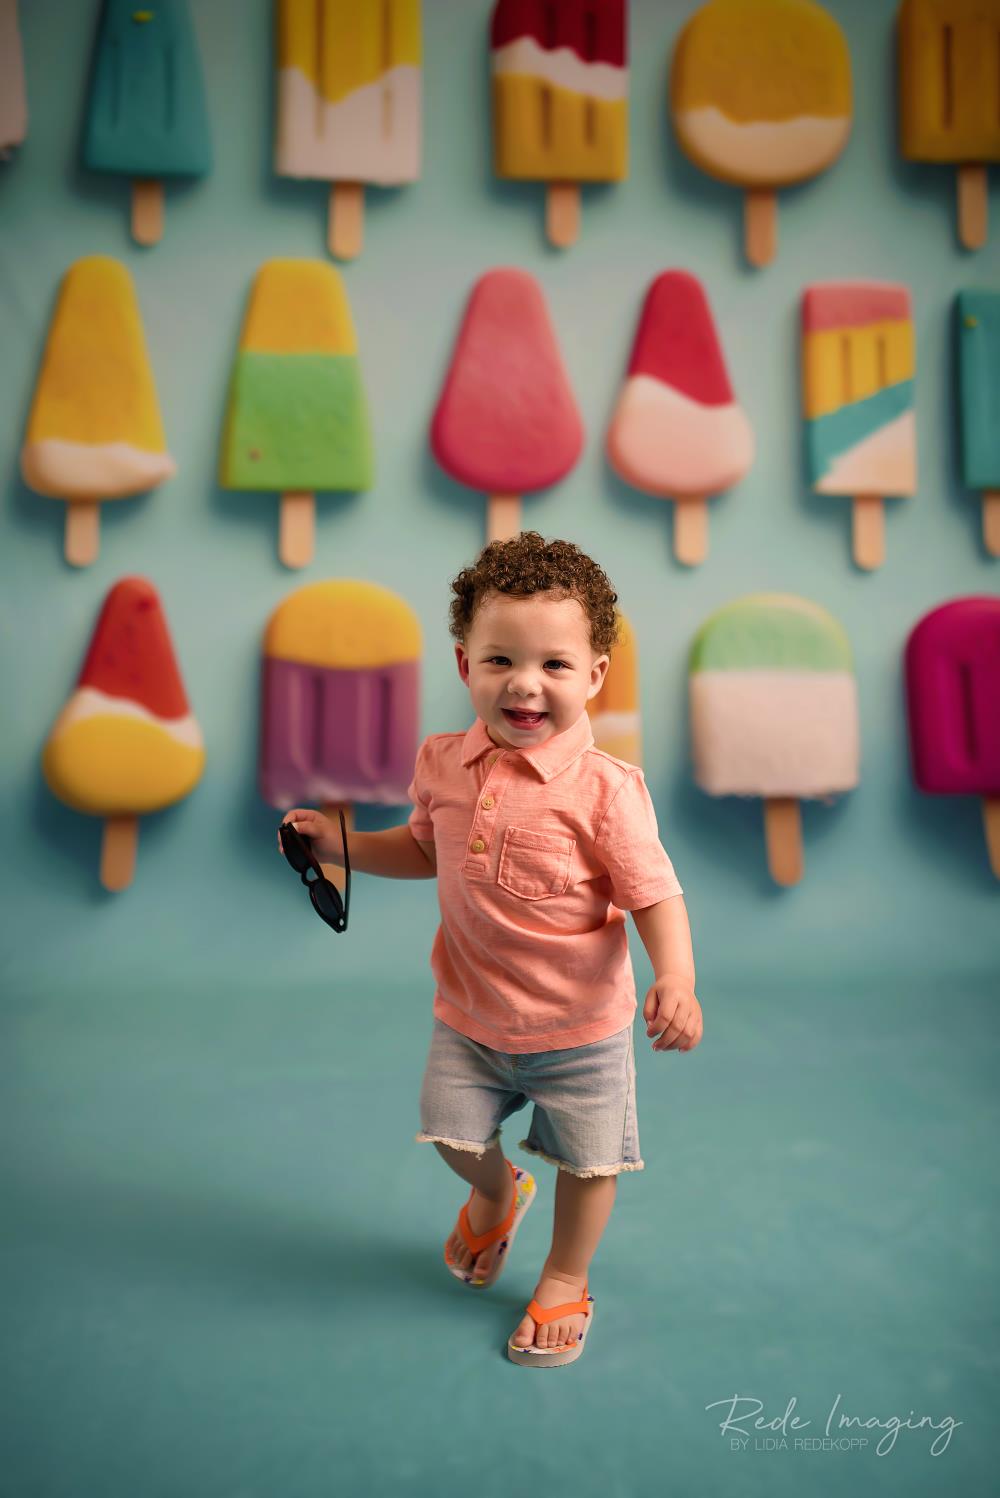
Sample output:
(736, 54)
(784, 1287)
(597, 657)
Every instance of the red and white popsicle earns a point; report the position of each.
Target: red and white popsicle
(506, 422)
(677, 430)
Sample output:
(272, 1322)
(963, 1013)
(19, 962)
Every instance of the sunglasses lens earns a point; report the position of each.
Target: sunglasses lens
(294, 849)
(326, 899)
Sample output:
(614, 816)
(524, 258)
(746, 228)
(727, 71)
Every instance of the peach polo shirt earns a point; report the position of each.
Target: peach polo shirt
(539, 853)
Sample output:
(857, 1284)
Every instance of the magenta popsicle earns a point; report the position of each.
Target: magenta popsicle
(340, 704)
(953, 701)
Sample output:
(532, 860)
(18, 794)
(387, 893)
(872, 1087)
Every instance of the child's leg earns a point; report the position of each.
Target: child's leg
(583, 1206)
(490, 1174)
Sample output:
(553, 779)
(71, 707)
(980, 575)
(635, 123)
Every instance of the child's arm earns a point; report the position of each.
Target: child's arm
(395, 853)
(671, 1008)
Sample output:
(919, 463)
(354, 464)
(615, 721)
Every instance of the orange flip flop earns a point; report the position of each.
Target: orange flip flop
(547, 1357)
(524, 1195)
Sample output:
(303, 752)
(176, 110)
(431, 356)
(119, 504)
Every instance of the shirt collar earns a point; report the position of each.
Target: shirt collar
(548, 760)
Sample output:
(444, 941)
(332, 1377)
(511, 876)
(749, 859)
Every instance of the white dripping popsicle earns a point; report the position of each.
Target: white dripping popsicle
(677, 430)
(349, 102)
(774, 713)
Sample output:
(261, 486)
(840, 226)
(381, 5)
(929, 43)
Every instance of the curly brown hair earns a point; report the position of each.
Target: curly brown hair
(529, 564)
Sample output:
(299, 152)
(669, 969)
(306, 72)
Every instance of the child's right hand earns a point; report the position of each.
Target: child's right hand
(323, 832)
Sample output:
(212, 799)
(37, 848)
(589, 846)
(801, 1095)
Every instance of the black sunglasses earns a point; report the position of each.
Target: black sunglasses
(324, 894)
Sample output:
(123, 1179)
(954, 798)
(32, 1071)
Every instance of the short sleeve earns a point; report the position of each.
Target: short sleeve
(628, 845)
(419, 821)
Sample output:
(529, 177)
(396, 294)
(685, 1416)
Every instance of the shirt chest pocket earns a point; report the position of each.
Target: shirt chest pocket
(535, 865)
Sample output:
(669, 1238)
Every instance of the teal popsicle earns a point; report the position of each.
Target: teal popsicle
(146, 112)
(977, 320)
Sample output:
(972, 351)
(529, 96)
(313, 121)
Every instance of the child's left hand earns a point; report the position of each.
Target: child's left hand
(673, 1014)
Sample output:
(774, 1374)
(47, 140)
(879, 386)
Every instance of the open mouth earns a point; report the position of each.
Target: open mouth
(523, 720)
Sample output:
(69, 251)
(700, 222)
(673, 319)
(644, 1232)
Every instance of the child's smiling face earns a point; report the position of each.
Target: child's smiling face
(529, 666)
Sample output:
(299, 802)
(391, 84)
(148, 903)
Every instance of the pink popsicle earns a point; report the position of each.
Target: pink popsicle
(677, 430)
(953, 700)
(506, 422)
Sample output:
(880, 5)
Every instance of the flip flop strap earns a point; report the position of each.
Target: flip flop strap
(476, 1242)
(540, 1314)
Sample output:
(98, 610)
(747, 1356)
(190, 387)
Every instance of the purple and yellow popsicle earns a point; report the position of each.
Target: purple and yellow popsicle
(340, 704)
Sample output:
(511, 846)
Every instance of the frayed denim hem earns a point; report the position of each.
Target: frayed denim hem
(599, 1170)
(457, 1144)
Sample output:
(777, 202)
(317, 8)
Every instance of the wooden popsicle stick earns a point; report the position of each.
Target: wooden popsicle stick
(346, 224)
(783, 835)
(562, 214)
(991, 521)
(503, 517)
(297, 528)
(973, 205)
(333, 871)
(147, 210)
(868, 531)
(991, 822)
(83, 532)
(121, 834)
(760, 225)
(690, 531)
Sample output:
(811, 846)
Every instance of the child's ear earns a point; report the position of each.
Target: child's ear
(598, 672)
(462, 661)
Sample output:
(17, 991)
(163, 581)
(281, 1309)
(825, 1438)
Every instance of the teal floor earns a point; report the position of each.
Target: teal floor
(222, 1277)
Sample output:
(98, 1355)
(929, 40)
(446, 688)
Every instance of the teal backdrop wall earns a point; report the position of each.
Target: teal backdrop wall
(897, 886)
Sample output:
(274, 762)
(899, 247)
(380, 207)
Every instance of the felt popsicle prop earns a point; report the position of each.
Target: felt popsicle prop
(13, 102)
(560, 99)
(774, 713)
(677, 430)
(858, 364)
(126, 742)
(949, 96)
(94, 429)
(297, 418)
(978, 329)
(146, 113)
(506, 422)
(340, 704)
(614, 712)
(349, 102)
(760, 95)
(953, 704)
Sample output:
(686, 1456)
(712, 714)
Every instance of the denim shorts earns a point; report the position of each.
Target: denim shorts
(584, 1118)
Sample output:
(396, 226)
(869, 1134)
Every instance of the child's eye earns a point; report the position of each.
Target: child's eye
(501, 658)
(557, 663)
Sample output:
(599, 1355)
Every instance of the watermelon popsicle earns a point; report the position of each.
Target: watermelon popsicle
(349, 102)
(297, 418)
(677, 430)
(13, 103)
(774, 713)
(858, 365)
(506, 422)
(949, 96)
(560, 99)
(340, 705)
(126, 742)
(614, 712)
(760, 95)
(977, 318)
(94, 429)
(146, 114)
(952, 665)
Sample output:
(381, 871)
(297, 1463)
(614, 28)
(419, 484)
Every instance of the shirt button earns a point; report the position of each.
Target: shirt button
(487, 802)
(478, 846)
